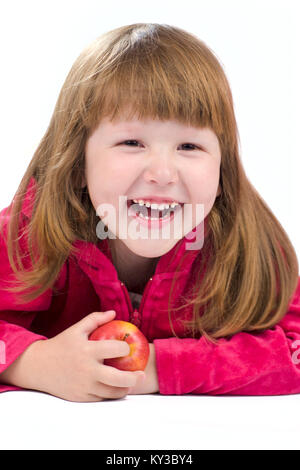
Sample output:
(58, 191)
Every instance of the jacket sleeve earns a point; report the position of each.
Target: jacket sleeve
(264, 363)
(15, 320)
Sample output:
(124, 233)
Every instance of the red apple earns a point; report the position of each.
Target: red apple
(125, 331)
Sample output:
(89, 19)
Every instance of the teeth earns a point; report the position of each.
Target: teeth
(160, 207)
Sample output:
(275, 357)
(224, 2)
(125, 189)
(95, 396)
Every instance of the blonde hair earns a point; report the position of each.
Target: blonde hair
(163, 72)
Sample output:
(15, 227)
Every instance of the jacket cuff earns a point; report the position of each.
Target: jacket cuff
(167, 372)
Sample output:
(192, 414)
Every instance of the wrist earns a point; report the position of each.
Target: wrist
(155, 383)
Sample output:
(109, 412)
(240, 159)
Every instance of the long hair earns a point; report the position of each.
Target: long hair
(163, 72)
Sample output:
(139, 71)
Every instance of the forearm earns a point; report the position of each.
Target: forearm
(22, 371)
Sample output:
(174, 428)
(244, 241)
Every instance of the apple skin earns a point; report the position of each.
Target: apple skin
(125, 331)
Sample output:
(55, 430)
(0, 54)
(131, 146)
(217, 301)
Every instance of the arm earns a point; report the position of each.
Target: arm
(15, 320)
(14, 370)
(264, 363)
(15, 339)
(71, 367)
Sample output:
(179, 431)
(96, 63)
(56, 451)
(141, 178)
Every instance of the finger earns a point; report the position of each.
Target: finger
(89, 323)
(104, 391)
(109, 348)
(92, 397)
(114, 377)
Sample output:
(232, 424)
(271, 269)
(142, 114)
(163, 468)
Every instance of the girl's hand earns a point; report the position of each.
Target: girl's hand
(150, 383)
(71, 367)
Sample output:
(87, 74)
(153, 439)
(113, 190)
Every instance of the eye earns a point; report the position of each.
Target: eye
(192, 145)
(127, 142)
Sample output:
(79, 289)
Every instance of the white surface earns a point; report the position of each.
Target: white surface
(33, 420)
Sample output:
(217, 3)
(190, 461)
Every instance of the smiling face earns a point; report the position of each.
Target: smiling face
(136, 158)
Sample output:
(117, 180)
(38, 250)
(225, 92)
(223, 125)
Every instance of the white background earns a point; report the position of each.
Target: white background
(257, 44)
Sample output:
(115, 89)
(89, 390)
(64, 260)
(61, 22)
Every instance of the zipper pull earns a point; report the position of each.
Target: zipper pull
(135, 318)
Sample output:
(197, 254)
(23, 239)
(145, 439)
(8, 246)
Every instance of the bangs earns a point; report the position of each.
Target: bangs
(157, 79)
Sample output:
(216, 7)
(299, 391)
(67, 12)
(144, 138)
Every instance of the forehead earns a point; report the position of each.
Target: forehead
(123, 124)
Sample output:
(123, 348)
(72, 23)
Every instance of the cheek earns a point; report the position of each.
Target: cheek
(98, 186)
(205, 185)
(106, 178)
(107, 167)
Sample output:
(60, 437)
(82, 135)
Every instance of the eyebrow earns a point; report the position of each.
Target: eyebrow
(128, 127)
(137, 127)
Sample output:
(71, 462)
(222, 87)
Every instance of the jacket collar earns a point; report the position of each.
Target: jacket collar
(99, 256)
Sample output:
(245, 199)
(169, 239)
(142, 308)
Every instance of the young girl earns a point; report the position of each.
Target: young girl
(145, 116)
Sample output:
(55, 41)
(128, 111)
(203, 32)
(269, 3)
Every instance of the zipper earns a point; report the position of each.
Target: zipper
(144, 296)
(134, 314)
(128, 300)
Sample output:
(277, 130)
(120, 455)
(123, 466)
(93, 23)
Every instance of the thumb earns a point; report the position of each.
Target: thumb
(89, 323)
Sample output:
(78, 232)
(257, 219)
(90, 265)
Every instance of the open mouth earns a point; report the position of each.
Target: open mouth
(148, 213)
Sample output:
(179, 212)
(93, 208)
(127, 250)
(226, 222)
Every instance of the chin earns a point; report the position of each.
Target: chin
(150, 248)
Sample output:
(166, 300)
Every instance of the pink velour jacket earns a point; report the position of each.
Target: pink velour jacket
(265, 363)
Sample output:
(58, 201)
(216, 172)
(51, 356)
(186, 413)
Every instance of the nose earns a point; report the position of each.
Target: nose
(161, 168)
